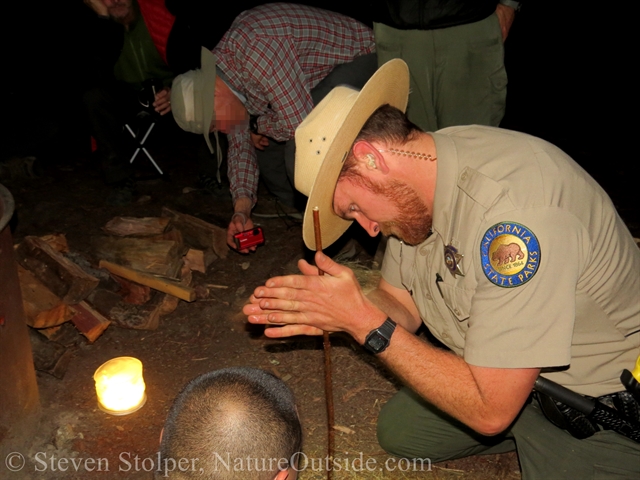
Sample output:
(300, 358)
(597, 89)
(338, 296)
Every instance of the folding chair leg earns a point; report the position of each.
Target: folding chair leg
(134, 155)
(152, 161)
(144, 139)
(130, 131)
(140, 146)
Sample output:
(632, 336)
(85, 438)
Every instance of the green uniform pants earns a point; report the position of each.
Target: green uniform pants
(410, 427)
(457, 73)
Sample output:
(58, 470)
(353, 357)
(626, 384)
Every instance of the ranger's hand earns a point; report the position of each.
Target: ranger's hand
(309, 303)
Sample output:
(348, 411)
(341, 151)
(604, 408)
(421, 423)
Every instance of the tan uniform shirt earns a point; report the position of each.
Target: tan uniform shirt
(551, 273)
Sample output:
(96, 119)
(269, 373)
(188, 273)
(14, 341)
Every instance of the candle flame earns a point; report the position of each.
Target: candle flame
(120, 386)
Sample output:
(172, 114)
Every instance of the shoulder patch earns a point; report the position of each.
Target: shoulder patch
(509, 254)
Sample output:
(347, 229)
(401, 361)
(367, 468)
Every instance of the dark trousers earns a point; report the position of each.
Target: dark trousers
(410, 427)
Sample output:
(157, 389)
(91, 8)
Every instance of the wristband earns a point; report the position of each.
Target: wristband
(244, 217)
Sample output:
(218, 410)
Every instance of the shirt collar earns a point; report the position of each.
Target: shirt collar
(223, 77)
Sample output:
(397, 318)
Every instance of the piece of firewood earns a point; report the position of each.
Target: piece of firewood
(65, 334)
(175, 235)
(140, 317)
(132, 292)
(144, 317)
(51, 332)
(58, 242)
(199, 260)
(198, 233)
(150, 255)
(63, 277)
(170, 303)
(158, 283)
(137, 226)
(89, 321)
(42, 308)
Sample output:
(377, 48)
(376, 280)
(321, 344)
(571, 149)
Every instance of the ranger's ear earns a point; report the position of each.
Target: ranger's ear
(370, 156)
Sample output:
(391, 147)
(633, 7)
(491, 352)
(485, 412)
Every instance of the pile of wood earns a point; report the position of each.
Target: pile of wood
(143, 270)
(54, 288)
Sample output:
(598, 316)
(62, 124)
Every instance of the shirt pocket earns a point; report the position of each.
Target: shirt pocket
(457, 300)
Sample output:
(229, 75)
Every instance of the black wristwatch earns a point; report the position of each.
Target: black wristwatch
(378, 339)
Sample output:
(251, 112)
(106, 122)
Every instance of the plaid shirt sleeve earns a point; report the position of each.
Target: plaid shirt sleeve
(274, 55)
(276, 79)
(242, 166)
(274, 66)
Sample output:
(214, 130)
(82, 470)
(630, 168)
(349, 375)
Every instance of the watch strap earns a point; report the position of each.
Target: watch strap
(387, 328)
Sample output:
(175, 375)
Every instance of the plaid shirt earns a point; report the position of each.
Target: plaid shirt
(274, 55)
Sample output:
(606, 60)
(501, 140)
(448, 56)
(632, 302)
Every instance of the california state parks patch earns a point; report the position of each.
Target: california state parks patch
(510, 254)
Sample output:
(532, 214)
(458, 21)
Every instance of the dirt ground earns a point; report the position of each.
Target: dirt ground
(207, 334)
(553, 93)
(212, 333)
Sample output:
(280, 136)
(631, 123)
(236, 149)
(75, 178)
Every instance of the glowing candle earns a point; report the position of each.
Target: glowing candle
(120, 386)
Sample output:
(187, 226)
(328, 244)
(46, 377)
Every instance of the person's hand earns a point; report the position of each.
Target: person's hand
(259, 141)
(240, 221)
(97, 6)
(505, 18)
(162, 103)
(309, 304)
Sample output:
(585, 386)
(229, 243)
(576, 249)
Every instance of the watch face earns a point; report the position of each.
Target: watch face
(377, 342)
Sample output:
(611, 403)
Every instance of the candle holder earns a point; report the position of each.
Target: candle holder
(120, 386)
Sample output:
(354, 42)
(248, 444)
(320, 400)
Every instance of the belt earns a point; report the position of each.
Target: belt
(582, 415)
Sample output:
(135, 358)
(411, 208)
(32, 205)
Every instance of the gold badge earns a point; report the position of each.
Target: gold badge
(452, 260)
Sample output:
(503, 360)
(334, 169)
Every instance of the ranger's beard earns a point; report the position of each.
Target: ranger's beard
(413, 222)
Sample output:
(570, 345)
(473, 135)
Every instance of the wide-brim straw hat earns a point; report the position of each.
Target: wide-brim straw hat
(324, 140)
(192, 97)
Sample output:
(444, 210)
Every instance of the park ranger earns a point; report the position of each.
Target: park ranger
(512, 256)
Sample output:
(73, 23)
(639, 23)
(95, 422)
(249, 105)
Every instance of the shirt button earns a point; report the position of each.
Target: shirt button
(424, 251)
(463, 177)
(456, 311)
(427, 296)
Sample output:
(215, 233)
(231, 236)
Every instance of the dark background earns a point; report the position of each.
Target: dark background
(567, 65)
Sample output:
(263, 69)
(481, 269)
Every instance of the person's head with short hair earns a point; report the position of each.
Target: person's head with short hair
(387, 125)
(232, 423)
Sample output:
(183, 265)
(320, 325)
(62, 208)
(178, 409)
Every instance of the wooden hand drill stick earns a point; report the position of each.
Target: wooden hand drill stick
(328, 384)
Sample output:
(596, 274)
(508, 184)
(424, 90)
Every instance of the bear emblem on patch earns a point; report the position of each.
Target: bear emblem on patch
(510, 254)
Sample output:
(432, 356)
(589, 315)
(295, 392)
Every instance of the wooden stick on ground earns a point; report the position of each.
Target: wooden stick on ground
(165, 285)
(328, 384)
